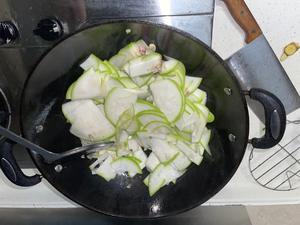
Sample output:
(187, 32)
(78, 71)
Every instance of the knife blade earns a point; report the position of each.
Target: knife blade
(256, 65)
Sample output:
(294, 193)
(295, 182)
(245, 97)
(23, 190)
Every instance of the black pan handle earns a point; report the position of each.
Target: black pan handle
(275, 118)
(11, 168)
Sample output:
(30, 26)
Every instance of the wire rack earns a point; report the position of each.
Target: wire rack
(278, 168)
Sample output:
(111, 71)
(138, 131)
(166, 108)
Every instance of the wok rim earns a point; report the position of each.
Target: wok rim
(186, 35)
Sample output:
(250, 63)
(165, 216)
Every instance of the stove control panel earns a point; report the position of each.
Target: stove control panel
(49, 29)
(8, 32)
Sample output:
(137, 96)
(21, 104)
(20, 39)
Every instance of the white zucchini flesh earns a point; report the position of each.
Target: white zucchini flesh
(191, 84)
(142, 105)
(125, 119)
(142, 80)
(90, 123)
(161, 176)
(156, 179)
(111, 83)
(105, 170)
(129, 52)
(148, 116)
(99, 160)
(143, 65)
(185, 122)
(133, 127)
(170, 174)
(88, 85)
(91, 62)
(118, 60)
(152, 162)
(181, 162)
(117, 101)
(127, 82)
(146, 180)
(140, 154)
(69, 108)
(133, 145)
(205, 140)
(126, 164)
(142, 93)
(69, 91)
(158, 127)
(168, 66)
(111, 69)
(162, 150)
(198, 96)
(194, 156)
(169, 98)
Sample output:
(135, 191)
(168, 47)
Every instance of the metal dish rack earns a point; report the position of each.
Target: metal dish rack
(278, 168)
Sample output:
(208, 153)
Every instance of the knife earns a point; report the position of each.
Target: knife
(256, 65)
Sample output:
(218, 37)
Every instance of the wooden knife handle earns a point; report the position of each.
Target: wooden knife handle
(242, 15)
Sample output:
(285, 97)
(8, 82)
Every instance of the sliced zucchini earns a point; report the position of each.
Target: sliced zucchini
(148, 116)
(129, 52)
(162, 150)
(156, 179)
(133, 145)
(142, 80)
(126, 118)
(162, 175)
(140, 92)
(98, 100)
(118, 60)
(99, 160)
(105, 170)
(194, 156)
(126, 164)
(205, 140)
(89, 123)
(117, 101)
(168, 66)
(152, 162)
(88, 85)
(142, 105)
(127, 82)
(158, 127)
(133, 127)
(186, 120)
(198, 96)
(191, 84)
(91, 62)
(146, 180)
(143, 65)
(69, 108)
(180, 162)
(169, 98)
(69, 91)
(111, 69)
(140, 154)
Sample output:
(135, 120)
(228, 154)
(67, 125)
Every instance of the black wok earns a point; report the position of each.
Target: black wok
(128, 197)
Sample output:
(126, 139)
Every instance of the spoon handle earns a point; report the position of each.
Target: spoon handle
(25, 143)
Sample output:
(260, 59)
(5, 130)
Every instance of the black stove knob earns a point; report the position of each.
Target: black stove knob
(49, 29)
(8, 32)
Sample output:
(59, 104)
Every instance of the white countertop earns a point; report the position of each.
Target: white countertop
(280, 21)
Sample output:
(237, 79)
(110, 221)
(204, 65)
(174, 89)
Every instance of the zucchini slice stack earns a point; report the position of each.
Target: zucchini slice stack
(154, 112)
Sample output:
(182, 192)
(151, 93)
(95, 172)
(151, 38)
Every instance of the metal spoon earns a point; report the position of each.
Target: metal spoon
(48, 156)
